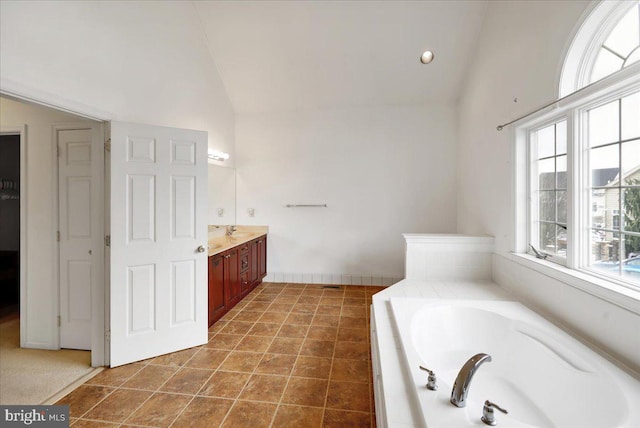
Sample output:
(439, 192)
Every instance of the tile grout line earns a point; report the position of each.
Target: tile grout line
(222, 362)
(115, 388)
(253, 372)
(157, 389)
(235, 401)
(208, 379)
(333, 359)
(279, 404)
(269, 300)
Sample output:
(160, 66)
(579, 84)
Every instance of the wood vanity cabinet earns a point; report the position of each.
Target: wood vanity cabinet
(233, 274)
(217, 297)
(262, 257)
(232, 277)
(245, 268)
(224, 283)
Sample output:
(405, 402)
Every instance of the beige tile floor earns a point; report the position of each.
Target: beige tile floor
(288, 355)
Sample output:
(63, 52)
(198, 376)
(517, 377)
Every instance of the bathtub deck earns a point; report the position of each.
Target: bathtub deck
(401, 412)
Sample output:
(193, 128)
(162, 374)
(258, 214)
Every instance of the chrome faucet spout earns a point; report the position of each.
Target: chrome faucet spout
(463, 381)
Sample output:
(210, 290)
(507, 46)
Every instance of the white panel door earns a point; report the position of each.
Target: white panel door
(77, 205)
(158, 293)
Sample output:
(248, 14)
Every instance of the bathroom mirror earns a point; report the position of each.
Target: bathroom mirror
(222, 195)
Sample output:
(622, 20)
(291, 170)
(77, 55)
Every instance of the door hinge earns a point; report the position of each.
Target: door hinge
(59, 321)
(58, 236)
(107, 336)
(107, 241)
(107, 145)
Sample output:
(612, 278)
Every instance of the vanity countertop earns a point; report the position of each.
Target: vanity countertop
(219, 242)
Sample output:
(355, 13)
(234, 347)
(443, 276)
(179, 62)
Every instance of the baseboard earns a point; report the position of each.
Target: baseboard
(332, 278)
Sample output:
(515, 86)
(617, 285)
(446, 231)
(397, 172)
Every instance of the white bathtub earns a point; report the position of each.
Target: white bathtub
(540, 374)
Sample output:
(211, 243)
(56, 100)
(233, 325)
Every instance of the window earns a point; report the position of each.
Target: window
(579, 194)
(549, 188)
(621, 48)
(613, 140)
(607, 41)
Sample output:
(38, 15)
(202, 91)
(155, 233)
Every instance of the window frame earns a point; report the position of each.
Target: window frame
(573, 109)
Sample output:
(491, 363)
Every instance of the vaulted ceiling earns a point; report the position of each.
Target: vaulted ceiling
(301, 55)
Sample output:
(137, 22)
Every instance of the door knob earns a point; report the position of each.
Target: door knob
(200, 249)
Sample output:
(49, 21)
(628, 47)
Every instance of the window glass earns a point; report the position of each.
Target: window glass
(546, 142)
(546, 173)
(561, 138)
(550, 162)
(561, 172)
(631, 160)
(603, 124)
(624, 37)
(621, 47)
(606, 63)
(604, 165)
(615, 188)
(631, 116)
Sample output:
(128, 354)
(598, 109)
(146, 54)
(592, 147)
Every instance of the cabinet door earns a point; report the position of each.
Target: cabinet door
(262, 257)
(253, 262)
(217, 300)
(232, 277)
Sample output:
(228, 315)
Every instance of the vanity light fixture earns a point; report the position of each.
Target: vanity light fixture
(217, 155)
(427, 57)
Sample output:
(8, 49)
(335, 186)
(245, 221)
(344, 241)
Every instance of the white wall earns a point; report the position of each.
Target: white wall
(381, 171)
(143, 62)
(42, 286)
(519, 54)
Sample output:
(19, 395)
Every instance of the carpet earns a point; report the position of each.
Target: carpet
(31, 376)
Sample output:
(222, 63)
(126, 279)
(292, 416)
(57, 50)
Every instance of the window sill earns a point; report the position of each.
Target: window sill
(609, 291)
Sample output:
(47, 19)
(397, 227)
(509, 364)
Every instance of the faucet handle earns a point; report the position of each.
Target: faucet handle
(431, 381)
(488, 416)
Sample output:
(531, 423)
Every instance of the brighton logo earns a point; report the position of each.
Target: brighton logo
(36, 416)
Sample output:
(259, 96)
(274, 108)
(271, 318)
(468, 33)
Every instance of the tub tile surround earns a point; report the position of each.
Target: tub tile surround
(435, 269)
(287, 355)
(447, 257)
(377, 280)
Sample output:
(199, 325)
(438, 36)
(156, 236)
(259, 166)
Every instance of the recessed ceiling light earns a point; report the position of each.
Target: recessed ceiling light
(426, 57)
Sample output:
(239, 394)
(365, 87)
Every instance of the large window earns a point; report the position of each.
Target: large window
(583, 160)
(584, 184)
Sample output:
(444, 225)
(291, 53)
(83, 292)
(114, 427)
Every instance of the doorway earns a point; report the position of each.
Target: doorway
(43, 304)
(9, 226)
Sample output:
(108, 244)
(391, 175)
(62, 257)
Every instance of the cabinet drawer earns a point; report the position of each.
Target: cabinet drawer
(245, 284)
(244, 248)
(244, 262)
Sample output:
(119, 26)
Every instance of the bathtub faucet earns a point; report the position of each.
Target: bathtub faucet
(463, 381)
